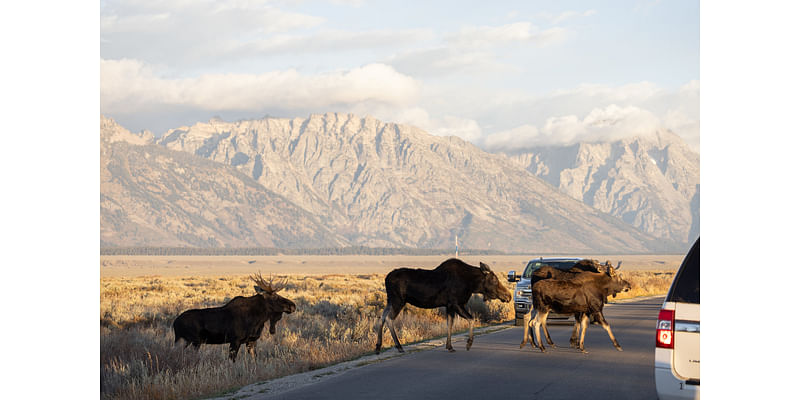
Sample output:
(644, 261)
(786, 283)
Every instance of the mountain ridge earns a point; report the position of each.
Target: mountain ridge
(382, 184)
(150, 196)
(651, 182)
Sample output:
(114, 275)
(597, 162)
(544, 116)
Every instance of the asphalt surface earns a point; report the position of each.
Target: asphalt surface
(496, 368)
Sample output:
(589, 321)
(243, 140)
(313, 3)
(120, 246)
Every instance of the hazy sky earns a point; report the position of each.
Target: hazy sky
(504, 76)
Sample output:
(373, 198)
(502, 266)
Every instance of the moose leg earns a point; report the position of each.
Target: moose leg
(540, 316)
(392, 315)
(602, 320)
(547, 334)
(251, 348)
(573, 339)
(530, 334)
(380, 328)
(526, 333)
(451, 316)
(389, 312)
(233, 350)
(465, 314)
(584, 325)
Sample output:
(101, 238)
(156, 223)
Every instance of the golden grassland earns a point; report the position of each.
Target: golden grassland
(129, 266)
(336, 317)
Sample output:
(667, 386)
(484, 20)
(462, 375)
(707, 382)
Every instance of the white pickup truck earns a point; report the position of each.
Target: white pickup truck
(522, 292)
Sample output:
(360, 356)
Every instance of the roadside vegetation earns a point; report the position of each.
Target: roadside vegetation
(335, 321)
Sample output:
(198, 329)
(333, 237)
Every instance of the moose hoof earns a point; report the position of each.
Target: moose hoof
(619, 348)
(400, 349)
(521, 345)
(452, 350)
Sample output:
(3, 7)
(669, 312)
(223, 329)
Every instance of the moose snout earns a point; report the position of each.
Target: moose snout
(290, 309)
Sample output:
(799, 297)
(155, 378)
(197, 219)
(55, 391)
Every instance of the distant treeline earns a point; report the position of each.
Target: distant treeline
(266, 251)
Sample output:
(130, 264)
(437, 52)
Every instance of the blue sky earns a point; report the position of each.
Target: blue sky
(504, 76)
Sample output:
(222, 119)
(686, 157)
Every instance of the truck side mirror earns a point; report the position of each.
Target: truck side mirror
(512, 276)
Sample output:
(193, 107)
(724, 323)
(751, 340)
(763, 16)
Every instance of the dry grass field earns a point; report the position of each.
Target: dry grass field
(339, 301)
(173, 266)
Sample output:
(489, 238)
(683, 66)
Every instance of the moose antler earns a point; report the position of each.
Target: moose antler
(261, 283)
(280, 285)
(268, 286)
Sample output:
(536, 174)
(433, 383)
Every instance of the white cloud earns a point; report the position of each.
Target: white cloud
(522, 32)
(465, 128)
(609, 123)
(615, 122)
(590, 112)
(202, 18)
(564, 16)
(501, 121)
(512, 139)
(681, 113)
(443, 61)
(128, 86)
(333, 41)
(439, 125)
(279, 59)
(351, 3)
(474, 50)
(632, 92)
(180, 33)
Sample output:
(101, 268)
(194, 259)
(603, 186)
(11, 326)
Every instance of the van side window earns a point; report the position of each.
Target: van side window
(687, 282)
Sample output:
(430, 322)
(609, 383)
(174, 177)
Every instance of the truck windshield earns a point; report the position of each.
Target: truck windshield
(534, 265)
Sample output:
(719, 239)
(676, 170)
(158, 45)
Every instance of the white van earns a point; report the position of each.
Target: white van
(677, 363)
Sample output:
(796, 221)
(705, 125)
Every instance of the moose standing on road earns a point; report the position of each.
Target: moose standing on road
(449, 285)
(240, 321)
(582, 295)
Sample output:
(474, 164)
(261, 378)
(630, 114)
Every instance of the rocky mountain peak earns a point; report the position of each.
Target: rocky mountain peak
(651, 182)
(111, 132)
(369, 182)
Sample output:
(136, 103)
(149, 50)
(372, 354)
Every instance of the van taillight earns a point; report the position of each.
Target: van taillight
(664, 329)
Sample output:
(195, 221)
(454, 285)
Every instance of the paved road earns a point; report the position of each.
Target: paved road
(496, 368)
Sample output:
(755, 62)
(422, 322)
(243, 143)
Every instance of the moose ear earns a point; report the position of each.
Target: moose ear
(258, 289)
(485, 268)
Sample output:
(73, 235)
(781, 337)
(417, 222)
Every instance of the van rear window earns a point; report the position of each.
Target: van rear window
(686, 288)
